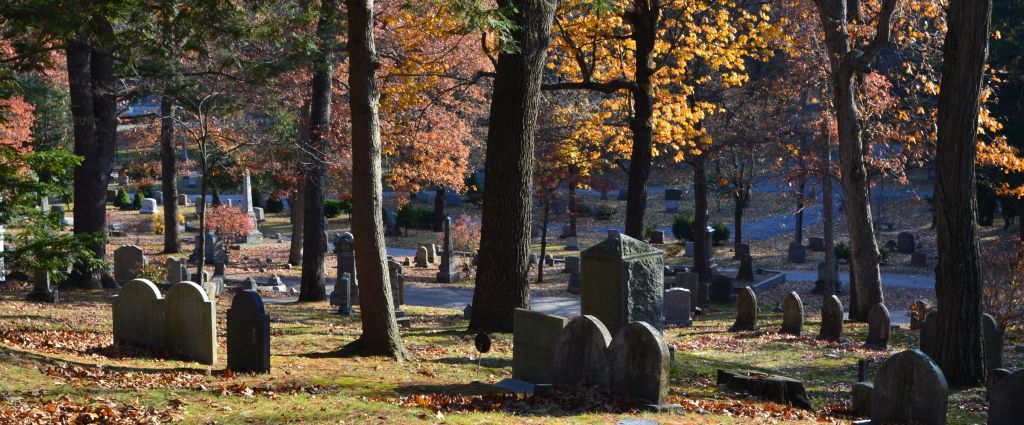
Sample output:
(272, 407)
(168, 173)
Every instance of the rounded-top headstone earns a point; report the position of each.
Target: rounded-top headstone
(248, 334)
(905, 243)
(792, 314)
(746, 311)
(1004, 399)
(641, 362)
(582, 353)
(930, 332)
(993, 342)
(909, 388)
(831, 320)
(879, 325)
(135, 314)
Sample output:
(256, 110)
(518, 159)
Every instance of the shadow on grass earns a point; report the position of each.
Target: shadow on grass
(486, 362)
(26, 357)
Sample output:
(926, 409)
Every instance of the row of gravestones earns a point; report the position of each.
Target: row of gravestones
(129, 262)
(185, 322)
(905, 244)
(346, 289)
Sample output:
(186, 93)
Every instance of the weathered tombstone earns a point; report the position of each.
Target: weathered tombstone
(1005, 398)
(396, 275)
(41, 290)
(687, 280)
(182, 200)
(861, 396)
(535, 338)
(672, 198)
(677, 307)
(722, 289)
(432, 253)
(572, 264)
(879, 325)
(341, 296)
(582, 353)
(797, 253)
(572, 243)
(248, 334)
(746, 271)
(909, 388)
(138, 315)
(191, 322)
(391, 227)
(549, 260)
(421, 257)
(816, 244)
(249, 284)
(905, 243)
(623, 282)
(344, 250)
(176, 270)
(993, 342)
(746, 311)
(831, 320)
(657, 237)
(930, 333)
(128, 262)
(214, 250)
(918, 259)
(259, 214)
(640, 362)
(447, 272)
(148, 206)
(575, 284)
(742, 250)
(688, 246)
(792, 314)
(44, 204)
(703, 294)
(534, 258)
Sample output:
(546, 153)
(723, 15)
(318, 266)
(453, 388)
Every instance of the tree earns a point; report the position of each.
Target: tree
(501, 280)
(958, 277)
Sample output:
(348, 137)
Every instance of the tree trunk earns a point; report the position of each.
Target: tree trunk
(737, 217)
(439, 209)
(215, 196)
(573, 205)
(314, 223)
(802, 185)
(700, 219)
(543, 241)
(169, 175)
(644, 19)
(201, 238)
(958, 278)
(298, 219)
(377, 312)
(502, 273)
(825, 174)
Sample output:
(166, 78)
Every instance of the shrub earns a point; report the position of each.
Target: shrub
(122, 201)
(151, 272)
(158, 223)
(721, 234)
(334, 208)
(411, 217)
(228, 222)
(673, 250)
(137, 201)
(274, 204)
(1003, 287)
(605, 211)
(466, 233)
(682, 226)
(842, 251)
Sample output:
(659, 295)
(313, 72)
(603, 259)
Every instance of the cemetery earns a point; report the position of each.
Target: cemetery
(512, 212)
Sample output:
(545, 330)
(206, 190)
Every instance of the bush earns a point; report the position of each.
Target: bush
(122, 201)
(334, 208)
(274, 204)
(673, 250)
(682, 226)
(466, 233)
(411, 217)
(228, 222)
(605, 211)
(721, 234)
(137, 201)
(842, 251)
(158, 223)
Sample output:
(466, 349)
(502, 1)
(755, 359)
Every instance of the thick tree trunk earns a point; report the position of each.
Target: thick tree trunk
(314, 225)
(644, 19)
(700, 219)
(439, 209)
(298, 219)
(737, 217)
(377, 312)
(958, 278)
(502, 273)
(825, 174)
(169, 175)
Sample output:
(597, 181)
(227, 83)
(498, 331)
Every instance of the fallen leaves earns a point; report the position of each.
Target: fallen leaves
(55, 341)
(94, 411)
(560, 400)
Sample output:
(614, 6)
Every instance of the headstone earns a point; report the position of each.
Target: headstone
(722, 289)
(861, 395)
(820, 285)
(41, 290)
(816, 244)
(572, 244)
(918, 259)
(930, 333)
(746, 272)
(432, 253)
(44, 204)
(344, 250)
(797, 253)
(792, 314)
(575, 284)
(1005, 398)
(993, 342)
(623, 282)
(396, 276)
(673, 194)
(391, 227)
(677, 307)
(535, 338)
(182, 200)
(905, 243)
(746, 311)
(341, 296)
(549, 260)
(703, 294)
(879, 325)
(640, 363)
(148, 206)
(128, 262)
(259, 214)
(176, 270)
(687, 280)
(447, 272)
(909, 388)
(214, 250)
(228, 202)
(572, 264)
(248, 333)
(742, 250)
(689, 249)
(534, 258)
(421, 257)
(191, 322)
(582, 353)
(138, 315)
(249, 284)
(657, 237)
(831, 320)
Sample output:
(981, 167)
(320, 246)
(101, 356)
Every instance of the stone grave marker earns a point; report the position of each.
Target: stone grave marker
(248, 334)
(148, 206)
(722, 289)
(623, 282)
(575, 283)
(535, 338)
(421, 257)
(128, 262)
(396, 276)
(582, 353)
(640, 362)
(746, 272)
(905, 243)
(341, 296)
(879, 325)
(918, 259)
(176, 270)
(259, 214)
(1005, 406)
(572, 243)
(677, 307)
(909, 388)
(672, 198)
(534, 258)
(831, 320)
(742, 250)
(797, 253)
(191, 322)
(41, 290)
(689, 249)
(792, 314)
(687, 280)
(549, 260)
(746, 311)
(138, 315)
(249, 284)
(344, 250)
(657, 237)
(993, 342)
(816, 244)
(448, 273)
(703, 293)
(432, 253)
(182, 200)
(572, 264)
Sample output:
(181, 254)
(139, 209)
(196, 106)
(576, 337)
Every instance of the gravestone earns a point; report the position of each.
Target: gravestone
(535, 338)
(341, 296)
(396, 275)
(746, 272)
(831, 320)
(176, 270)
(250, 284)
(918, 259)
(746, 311)
(742, 250)
(687, 280)
(640, 362)
(688, 246)
(879, 325)
(930, 333)
(41, 290)
(623, 282)
(259, 214)
(148, 206)
(534, 258)
(792, 314)
(575, 283)
(672, 198)
(344, 250)
(1005, 398)
(421, 257)
(391, 227)
(572, 264)
(128, 262)
(191, 322)
(797, 253)
(138, 315)
(248, 334)
(582, 353)
(214, 249)
(722, 289)
(549, 260)
(816, 244)
(432, 253)
(182, 200)
(703, 294)
(572, 243)
(677, 307)
(254, 236)
(657, 237)
(447, 272)
(861, 397)
(905, 243)
(822, 287)
(993, 342)
(909, 388)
